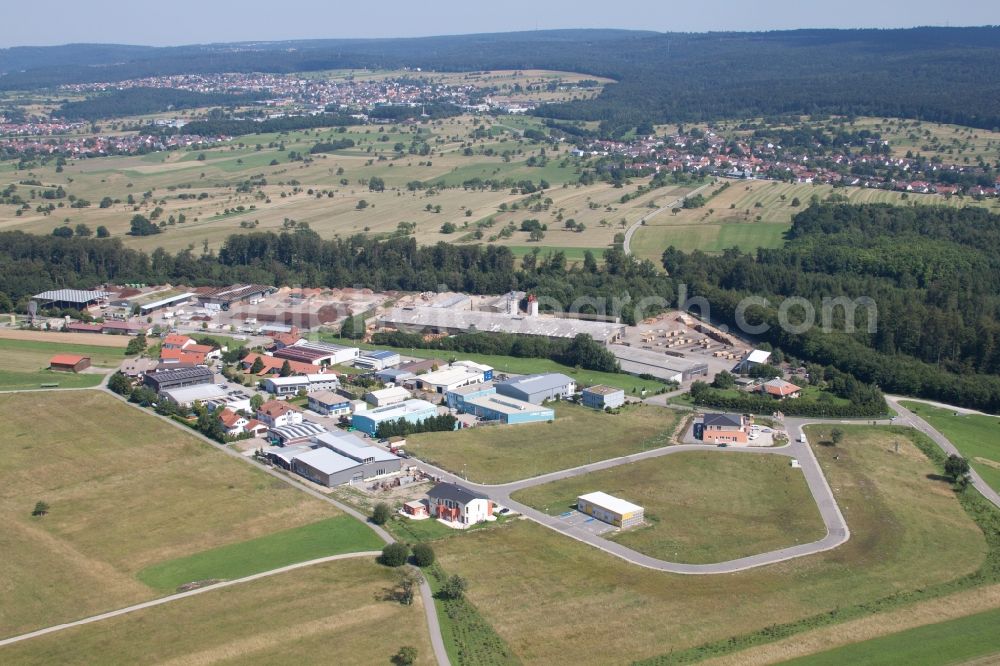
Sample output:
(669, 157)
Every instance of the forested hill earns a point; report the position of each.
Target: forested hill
(933, 274)
(936, 74)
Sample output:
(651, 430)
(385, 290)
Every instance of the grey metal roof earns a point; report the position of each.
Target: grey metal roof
(726, 420)
(174, 374)
(536, 383)
(492, 322)
(380, 354)
(299, 430)
(454, 492)
(326, 461)
(353, 447)
(71, 295)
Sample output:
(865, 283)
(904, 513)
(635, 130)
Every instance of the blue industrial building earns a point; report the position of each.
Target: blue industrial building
(482, 401)
(412, 411)
(538, 388)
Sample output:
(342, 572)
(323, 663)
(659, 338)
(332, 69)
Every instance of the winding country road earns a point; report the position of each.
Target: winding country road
(627, 245)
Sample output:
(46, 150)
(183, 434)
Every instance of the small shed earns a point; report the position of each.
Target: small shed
(416, 509)
(69, 362)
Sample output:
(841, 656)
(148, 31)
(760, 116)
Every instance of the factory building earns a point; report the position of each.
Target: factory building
(610, 509)
(538, 388)
(412, 411)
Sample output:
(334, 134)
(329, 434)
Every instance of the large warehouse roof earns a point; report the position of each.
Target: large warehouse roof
(326, 461)
(71, 296)
(492, 322)
(536, 383)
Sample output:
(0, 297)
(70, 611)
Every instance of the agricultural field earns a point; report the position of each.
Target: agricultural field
(577, 436)
(126, 491)
(590, 607)
(963, 640)
(691, 516)
(24, 364)
(753, 214)
(976, 437)
(330, 192)
(338, 609)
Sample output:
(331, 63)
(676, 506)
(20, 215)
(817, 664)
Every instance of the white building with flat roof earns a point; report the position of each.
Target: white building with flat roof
(610, 509)
(442, 381)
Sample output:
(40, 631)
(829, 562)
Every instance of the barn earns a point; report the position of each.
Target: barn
(69, 362)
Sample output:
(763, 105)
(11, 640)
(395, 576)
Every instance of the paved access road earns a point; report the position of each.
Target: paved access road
(626, 246)
(833, 519)
(908, 418)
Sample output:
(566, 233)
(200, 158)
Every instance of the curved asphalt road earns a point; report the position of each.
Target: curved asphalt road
(626, 246)
(906, 417)
(833, 519)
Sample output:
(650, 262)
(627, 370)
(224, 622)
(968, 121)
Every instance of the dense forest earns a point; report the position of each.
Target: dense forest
(138, 101)
(30, 264)
(935, 74)
(932, 273)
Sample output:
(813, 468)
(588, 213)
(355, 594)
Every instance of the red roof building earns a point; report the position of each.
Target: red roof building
(69, 362)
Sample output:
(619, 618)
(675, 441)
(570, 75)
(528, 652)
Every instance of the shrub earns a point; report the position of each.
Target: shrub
(394, 555)
(381, 513)
(423, 555)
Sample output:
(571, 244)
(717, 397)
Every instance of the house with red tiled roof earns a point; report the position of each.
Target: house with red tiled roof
(277, 414)
(182, 356)
(256, 428)
(176, 341)
(232, 422)
(780, 389)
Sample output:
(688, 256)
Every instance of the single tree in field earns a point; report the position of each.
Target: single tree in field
(454, 587)
(409, 580)
(406, 656)
(836, 436)
(41, 508)
(957, 468)
(381, 513)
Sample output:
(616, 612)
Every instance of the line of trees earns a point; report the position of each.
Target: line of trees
(402, 427)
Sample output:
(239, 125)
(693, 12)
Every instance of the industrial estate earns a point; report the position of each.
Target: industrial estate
(447, 355)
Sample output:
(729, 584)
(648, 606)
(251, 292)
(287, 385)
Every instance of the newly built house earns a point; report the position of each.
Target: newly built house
(457, 504)
(722, 429)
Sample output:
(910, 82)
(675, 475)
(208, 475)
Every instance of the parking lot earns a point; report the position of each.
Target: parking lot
(583, 521)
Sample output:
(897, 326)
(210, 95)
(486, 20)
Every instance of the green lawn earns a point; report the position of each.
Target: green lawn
(19, 381)
(951, 642)
(763, 504)
(31, 354)
(909, 538)
(333, 536)
(977, 437)
(577, 436)
(523, 366)
(24, 364)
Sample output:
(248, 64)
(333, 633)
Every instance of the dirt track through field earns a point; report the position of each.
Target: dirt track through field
(92, 339)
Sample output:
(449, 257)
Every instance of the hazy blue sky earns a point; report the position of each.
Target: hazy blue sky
(200, 21)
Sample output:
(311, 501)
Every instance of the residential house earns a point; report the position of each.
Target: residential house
(780, 389)
(277, 413)
(723, 429)
(459, 505)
